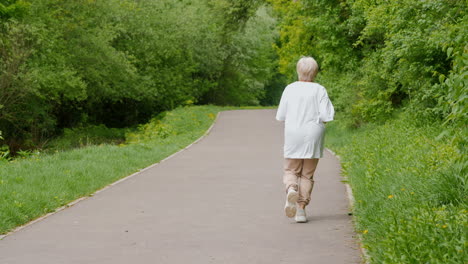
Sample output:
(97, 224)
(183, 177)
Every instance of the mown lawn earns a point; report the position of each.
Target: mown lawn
(410, 185)
(31, 187)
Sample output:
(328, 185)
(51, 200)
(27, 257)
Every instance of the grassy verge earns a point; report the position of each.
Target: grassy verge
(85, 136)
(38, 184)
(410, 186)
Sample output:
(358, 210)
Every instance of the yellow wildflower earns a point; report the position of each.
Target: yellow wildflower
(390, 196)
(444, 226)
(365, 231)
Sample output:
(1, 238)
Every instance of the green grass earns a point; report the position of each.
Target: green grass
(410, 187)
(33, 186)
(85, 136)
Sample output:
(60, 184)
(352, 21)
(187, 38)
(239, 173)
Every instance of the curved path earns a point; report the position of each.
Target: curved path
(219, 201)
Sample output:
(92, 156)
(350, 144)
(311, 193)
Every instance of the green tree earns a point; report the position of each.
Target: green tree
(119, 62)
(377, 56)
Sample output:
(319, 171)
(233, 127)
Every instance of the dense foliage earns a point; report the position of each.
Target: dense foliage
(377, 56)
(118, 62)
(397, 72)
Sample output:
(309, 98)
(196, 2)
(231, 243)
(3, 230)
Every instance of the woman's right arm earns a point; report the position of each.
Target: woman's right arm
(326, 109)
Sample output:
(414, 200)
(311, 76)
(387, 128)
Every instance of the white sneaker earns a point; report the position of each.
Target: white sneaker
(291, 199)
(300, 216)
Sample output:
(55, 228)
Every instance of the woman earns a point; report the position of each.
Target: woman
(305, 108)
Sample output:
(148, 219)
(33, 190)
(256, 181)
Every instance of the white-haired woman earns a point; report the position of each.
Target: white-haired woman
(305, 108)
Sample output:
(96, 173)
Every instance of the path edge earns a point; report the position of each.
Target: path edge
(351, 201)
(70, 204)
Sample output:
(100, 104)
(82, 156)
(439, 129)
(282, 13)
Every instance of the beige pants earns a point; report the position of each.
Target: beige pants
(299, 174)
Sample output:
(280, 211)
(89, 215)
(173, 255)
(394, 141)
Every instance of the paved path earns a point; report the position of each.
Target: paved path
(220, 201)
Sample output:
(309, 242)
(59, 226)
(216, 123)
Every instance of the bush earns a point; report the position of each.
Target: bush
(86, 136)
(179, 121)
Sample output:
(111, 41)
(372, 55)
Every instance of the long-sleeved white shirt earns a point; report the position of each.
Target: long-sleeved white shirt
(304, 106)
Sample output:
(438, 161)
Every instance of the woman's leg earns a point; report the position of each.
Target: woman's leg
(306, 181)
(292, 172)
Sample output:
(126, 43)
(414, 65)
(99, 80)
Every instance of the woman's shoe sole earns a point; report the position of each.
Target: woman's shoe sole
(290, 207)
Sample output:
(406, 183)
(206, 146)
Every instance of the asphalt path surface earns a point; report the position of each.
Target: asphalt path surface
(219, 201)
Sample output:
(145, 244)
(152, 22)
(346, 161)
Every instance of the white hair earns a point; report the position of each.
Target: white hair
(307, 69)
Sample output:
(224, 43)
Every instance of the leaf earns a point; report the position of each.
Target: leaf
(449, 51)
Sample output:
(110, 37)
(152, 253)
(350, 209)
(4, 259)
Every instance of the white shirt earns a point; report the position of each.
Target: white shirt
(304, 106)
